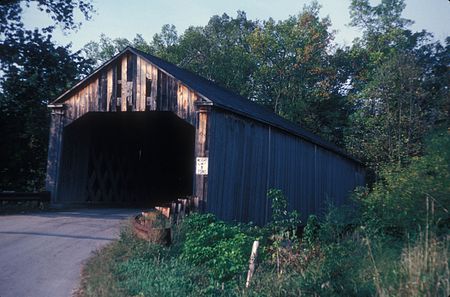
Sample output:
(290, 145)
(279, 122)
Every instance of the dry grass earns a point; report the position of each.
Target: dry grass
(426, 268)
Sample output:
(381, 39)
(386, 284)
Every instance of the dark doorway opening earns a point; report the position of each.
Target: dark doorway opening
(126, 159)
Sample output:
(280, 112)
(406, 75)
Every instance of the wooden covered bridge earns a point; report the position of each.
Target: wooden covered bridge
(140, 131)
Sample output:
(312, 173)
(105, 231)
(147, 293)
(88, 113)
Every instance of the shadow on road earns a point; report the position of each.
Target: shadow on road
(57, 235)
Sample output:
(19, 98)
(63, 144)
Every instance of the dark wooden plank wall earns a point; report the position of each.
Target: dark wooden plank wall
(123, 87)
(74, 163)
(247, 158)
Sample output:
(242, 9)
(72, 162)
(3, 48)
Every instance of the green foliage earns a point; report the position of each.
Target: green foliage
(222, 248)
(34, 72)
(338, 271)
(158, 277)
(392, 117)
(282, 230)
(62, 13)
(104, 49)
(394, 105)
(409, 198)
(284, 223)
(311, 231)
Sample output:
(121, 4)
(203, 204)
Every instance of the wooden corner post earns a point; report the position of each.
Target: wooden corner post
(201, 156)
(54, 150)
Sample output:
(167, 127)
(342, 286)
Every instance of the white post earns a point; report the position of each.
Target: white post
(251, 266)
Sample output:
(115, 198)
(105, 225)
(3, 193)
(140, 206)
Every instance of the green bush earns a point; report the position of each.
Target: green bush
(284, 223)
(407, 199)
(222, 248)
(311, 231)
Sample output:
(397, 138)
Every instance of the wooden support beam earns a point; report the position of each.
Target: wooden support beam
(54, 152)
(201, 151)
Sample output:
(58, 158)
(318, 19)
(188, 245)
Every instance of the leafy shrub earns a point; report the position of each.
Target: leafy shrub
(283, 223)
(222, 248)
(311, 231)
(407, 199)
(282, 232)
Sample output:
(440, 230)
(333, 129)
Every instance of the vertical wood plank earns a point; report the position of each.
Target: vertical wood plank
(159, 91)
(95, 95)
(79, 103)
(154, 73)
(88, 98)
(142, 80)
(109, 92)
(134, 92)
(139, 85)
(102, 91)
(180, 109)
(123, 101)
(114, 94)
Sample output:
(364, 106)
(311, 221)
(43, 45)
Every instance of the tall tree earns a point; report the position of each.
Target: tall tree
(393, 107)
(34, 71)
(297, 74)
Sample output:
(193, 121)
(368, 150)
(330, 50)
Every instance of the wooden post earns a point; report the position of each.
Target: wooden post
(54, 151)
(251, 266)
(201, 150)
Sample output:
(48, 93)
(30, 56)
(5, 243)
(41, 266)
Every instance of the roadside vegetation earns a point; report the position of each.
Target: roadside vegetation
(392, 241)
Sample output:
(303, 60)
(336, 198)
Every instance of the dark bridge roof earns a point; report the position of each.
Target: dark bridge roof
(221, 97)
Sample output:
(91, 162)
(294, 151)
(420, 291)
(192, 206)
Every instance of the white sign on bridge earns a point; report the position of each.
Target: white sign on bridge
(202, 166)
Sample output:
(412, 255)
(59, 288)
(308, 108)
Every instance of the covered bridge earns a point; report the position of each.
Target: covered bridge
(140, 131)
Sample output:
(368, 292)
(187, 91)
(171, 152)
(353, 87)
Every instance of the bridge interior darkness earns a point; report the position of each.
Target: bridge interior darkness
(126, 159)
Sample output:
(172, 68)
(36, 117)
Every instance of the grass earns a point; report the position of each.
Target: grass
(424, 269)
(133, 267)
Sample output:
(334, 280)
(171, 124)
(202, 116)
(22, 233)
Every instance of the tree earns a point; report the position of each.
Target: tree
(104, 49)
(61, 12)
(390, 120)
(394, 106)
(34, 71)
(300, 74)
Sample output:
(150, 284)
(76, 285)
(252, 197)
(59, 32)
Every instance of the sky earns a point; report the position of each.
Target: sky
(127, 18)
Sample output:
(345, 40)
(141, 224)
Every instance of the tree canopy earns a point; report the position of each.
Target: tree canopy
(34, 70)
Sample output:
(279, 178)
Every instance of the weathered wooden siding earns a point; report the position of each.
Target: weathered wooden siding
(248, 158)
(132, 84)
